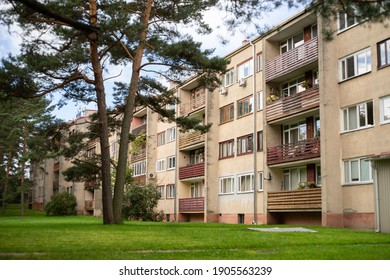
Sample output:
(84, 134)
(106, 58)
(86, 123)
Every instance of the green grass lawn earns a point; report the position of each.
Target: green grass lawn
(39, 237)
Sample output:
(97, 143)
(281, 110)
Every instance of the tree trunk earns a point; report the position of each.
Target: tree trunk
(108, 217)
(23, 165)
(128, 116)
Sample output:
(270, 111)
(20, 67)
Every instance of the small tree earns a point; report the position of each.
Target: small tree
(61, 204)
(140, 203)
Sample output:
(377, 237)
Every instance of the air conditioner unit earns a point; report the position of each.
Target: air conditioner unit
(222, 90)
(242, 82)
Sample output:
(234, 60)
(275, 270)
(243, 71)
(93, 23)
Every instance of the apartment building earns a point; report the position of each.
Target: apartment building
(300, 132)
(48, 179)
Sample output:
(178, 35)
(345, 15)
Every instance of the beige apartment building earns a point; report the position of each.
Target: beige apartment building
(300, 132)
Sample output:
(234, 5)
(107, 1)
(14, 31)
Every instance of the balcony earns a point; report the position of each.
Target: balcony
(190, 205)
(292, 60)
(138, 156)
(56, 166)
(294, 104)
(295, 200)
(190, 139)
(290, 152)
(89, 205)
(193, 105)
(137, 130)
(191, 171)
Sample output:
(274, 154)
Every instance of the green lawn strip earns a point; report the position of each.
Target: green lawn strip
(37, 236)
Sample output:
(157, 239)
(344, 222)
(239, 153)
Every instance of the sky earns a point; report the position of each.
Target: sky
(9, 43)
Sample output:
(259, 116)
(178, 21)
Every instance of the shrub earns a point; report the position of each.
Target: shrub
(61, 204)
(140, 203)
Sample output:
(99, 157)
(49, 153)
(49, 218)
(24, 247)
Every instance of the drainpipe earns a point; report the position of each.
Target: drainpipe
(176, 165)
(254, 145)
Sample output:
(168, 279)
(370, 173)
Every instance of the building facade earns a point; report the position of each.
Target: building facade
(300, 132)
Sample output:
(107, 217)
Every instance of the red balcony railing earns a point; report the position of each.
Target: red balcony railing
(193, 105)
(191, 171)
(295, 200)
(301, 150)
(291, 60)
(293, 104)
(195, 204)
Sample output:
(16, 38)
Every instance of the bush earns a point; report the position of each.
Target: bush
(140, 203)
(61, 204)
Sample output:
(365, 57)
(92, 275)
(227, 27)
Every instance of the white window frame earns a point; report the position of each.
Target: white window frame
(346, 18)
(160, 190)
(260, 100)
(161, 138)
(171, 134)
(226, 149)
(160, 165)
(259, 60)
(382, 110)
(245, 189)
(383, 49)
(223, 187)
(245, 105)
(245, 69)
(260, 183)
(170, 191)
(196, 189)
(139, 168)
(346, 116)
(349, 178)
(171, 162)
(228, 78)
(355, 57)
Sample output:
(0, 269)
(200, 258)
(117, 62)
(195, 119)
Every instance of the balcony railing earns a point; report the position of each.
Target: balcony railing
(190, 138)
(193, 105)
(291, 60)
(89, 205)
(301, 150)
(293, 104)
(295, 200)
(191, 171)
(139, 129)
(140, 155)
(187, 205)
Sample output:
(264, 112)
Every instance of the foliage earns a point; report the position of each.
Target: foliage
(140, 203)
(61, 204)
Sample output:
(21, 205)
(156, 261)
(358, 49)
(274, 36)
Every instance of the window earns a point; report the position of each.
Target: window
(171, 134)
(318, 175)
(160, 165)
(291, 43)
(170, 107)
(346, 21)
(245, 106)
(357, 171)
(384, 109)
(358, 116)
(226, 149)
(294, 132)
(161, 138)
(245, 69)
(293, 86)
(355, 64)
(292, 177)
(259, 59)
(226, 113)
(245, 182)
(139, 168)
(259, 101)
(226, 185)
(171, 162)
(384, 53)
(261, 181)
(245, 145)
(160, 190)
(170, 191)
(197, 156)
(259, 141)
(196, 189)
(229, 77)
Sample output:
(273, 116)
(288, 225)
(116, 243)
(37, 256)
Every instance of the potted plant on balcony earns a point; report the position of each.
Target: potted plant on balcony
(306, 84)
